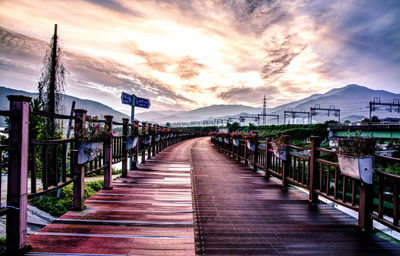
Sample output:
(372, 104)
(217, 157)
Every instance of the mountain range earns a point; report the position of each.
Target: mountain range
(352, 100)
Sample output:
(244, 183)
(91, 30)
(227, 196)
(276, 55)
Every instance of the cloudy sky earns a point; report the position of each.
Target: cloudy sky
(185, 54)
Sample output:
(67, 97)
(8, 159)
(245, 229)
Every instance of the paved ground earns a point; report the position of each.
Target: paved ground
(147, 213)
(239, 213)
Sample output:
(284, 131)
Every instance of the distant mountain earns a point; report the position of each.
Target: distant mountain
(204, 113)
(92, 107)
(352, 100)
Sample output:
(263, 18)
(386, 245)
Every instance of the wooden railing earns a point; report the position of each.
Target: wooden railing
(317, 170)
(53, 163)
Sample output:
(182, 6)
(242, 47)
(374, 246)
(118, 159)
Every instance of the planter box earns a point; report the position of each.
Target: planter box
(280, 154)
(361, 168)
(147, 140)
(236, 142)
(88, 151)
(251, 145)
(226, 140)
(131, 142)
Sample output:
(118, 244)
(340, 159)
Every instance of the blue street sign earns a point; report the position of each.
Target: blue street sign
(142, 103)
(126, 98)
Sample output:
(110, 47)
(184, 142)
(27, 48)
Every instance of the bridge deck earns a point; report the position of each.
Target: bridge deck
(147, 213)
(237, 213)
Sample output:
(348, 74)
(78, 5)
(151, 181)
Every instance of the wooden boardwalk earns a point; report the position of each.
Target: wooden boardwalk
(237, 212)
(147, 213)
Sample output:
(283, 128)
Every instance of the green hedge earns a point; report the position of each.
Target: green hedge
(57, 207)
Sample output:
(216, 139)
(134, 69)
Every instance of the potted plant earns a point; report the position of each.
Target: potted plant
(236, 136)
(212, 134)
(279, 147)
(90, 139)
(220, 137)
(251, 139)
(227, 136)
(132, 137)
(356, 157)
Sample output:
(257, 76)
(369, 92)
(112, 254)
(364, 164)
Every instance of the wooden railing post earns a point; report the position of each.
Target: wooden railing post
(153, 147)
(17, 197)
(78, 170)
(144, 124)
(151, 143)
(255, 153)
(246, 162)
(108, 149)
(125, 158)
(286, 164)
(267, 163)
(313, 177)
(365, 207)
(157, 147)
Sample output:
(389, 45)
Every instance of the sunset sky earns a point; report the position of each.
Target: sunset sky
(185, 54)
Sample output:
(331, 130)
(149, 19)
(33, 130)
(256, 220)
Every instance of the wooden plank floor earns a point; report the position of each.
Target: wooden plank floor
(239, 213)
(147, 213)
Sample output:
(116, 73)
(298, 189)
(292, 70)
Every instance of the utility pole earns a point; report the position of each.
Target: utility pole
(265, 111)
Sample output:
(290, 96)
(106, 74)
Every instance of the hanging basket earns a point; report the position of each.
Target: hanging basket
(147, 140)
(360, 168)
(88, 151)
(131, 142)
(220, 139)
(226, 140)
(236, 142)
(279, 153)
(251, 145)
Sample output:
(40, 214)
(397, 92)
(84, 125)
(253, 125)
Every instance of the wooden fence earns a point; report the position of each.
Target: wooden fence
(55, 163)
(317, 170)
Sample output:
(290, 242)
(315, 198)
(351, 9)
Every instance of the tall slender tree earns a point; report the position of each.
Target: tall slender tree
(52, 82)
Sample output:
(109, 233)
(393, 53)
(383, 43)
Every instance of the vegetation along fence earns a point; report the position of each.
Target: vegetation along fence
(50, 163)
(317, 170)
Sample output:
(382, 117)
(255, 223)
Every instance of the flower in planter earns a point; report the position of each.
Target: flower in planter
(93, 130)
(356, 146)
(251, 136)
(356, 156)
(279, 146)
(134, 129)
(236, 135)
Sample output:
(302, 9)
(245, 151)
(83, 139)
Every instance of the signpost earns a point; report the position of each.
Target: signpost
(133, 101)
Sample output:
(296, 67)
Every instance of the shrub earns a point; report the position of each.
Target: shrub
(58, 206)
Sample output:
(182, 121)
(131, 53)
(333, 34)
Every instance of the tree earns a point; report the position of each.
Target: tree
(252, 127)
(375, 119)
(233, 127)
(347, 121)
(52, 82)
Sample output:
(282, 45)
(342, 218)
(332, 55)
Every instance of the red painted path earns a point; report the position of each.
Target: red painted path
(147, 213)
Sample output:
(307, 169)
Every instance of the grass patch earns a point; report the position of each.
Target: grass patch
(58, 206)
(101, 173)
(388, 238)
